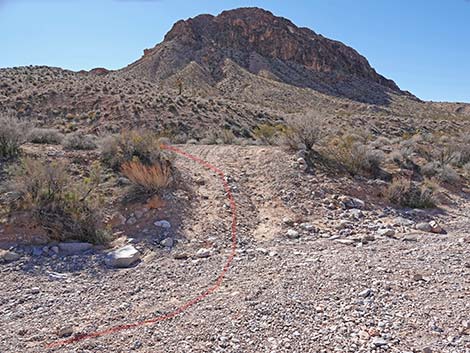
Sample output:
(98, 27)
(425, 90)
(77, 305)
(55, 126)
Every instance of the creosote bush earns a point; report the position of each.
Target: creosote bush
(66, 209)
(303, 132)
(357, 157)
(45, 136)
(405, 193)
(13, 133)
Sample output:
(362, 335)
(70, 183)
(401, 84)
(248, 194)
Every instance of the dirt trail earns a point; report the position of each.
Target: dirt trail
(299, 283)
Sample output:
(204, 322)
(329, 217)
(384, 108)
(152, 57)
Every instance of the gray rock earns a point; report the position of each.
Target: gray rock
(8, 256)
(401, 221)
(163, 224)
(35, 290)
(379, 342)
(132, 220)
(65, 331)
(74, 248)
(293, 234)
(308, 227)
(55, 249)
(37, 251)
(167, 242)
(123, 257)
(386, 232)
(351, 202)
(356, 214)
(424, 227)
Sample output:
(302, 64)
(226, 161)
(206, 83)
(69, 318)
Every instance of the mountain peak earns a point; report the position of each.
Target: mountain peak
(257, 40)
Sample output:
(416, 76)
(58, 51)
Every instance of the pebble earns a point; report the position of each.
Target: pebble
(203, 253)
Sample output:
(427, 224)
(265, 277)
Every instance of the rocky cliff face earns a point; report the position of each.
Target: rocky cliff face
(262, 43)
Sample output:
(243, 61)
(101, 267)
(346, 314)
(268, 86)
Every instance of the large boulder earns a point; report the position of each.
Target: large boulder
(123, 257)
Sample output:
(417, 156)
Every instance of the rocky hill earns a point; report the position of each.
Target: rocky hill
(265, 45)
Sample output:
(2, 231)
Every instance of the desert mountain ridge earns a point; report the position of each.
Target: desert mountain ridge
(236, 70)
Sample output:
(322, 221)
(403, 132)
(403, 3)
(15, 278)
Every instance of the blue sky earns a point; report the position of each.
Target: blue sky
(424, 45)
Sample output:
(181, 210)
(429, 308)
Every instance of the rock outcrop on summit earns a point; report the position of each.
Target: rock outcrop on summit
(264, 44)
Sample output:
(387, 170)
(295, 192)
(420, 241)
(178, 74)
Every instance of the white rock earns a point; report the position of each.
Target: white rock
(74, 248)
(203, 252)
(436, 228)
(123, 257)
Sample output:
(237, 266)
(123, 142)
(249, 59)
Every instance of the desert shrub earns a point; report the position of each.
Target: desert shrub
(303, 132)
(67, 209)
(149, 178)
(13, 133)
(222, 137)
(79, 141)
(356, 157)
(132, 146)
(443, 172)
(267, 133)
(380, 142)
(45, 136)
(448, 174)
(405, 193)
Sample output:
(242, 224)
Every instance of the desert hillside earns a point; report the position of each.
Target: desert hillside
(246, 186)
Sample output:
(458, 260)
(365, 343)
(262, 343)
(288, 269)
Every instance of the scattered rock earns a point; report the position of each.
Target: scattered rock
(351, 202)
(365, 293)
(401, 221)
(203, 253)
(436, 228)
(424, 227)
(379, 342)
(74, 248)
(287, 221)
(181, 256)
(65, 331)
(163, 224)
(293, 234)
(167, 242)
(35, 290)
(8, 256)
(386, 232)
(123, 257)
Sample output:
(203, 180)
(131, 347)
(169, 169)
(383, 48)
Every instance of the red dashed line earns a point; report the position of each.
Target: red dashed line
(191, 302)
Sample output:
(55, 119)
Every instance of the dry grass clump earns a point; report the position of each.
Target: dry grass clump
(405, 193)
(66, 209)
(132, 146)
(149, 178)
(79, 141)
(13, 133)
(45, 136)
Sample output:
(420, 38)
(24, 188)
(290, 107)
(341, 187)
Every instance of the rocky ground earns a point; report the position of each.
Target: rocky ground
(322, 265)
